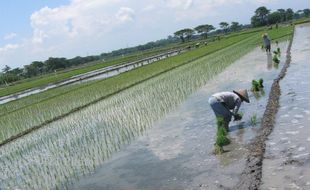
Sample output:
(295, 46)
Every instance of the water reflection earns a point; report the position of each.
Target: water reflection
(269, 61)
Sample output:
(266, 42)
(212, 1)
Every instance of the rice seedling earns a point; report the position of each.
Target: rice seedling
(253, 120)
(45, 110)
(66, 149)
(221, 136)
(260, 83)
(275, 57)
(257, 85)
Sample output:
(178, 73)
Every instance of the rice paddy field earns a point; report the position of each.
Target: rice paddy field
(79, 127)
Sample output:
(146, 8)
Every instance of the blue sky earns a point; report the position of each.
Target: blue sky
(37, 29)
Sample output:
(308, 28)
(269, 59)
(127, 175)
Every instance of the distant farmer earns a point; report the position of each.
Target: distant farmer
(266, 41)
(227, 104)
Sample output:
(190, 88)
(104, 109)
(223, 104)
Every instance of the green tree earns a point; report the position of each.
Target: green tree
(184, 34)
(262, 13)
(255, 22)
(204, 29)
(53, 64)
(180, 34)
(235, 26)
(6, 68)
(306, 12)
(282, 14)
(224, 26)
(289, 14)
(274, 17)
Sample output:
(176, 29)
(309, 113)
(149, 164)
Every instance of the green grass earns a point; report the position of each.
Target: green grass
(34, 110)
(302, 21)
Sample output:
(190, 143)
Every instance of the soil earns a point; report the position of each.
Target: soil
(251, 176)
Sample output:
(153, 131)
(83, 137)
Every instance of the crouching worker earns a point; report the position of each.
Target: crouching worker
(227, 104)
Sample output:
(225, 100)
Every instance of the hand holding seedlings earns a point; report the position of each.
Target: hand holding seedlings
(238, 117)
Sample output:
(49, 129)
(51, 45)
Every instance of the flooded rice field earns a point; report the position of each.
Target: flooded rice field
(103, 73)
(176, 153)
(287, 159)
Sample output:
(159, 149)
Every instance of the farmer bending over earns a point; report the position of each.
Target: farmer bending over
(227, 104)
(266, 41)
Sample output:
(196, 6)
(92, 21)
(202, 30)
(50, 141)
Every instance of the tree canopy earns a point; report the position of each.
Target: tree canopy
(204, 29)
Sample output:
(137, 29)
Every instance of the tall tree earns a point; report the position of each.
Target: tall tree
(235, 26)
(6, 68)
(224, 26)
(262, 13)
(204, 29)
(274, 17)
(282, 14)
(180, 34)
(306, 12)
(289, 14)
(184, 34)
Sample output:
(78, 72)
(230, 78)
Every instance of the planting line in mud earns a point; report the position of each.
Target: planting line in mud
(251, 176)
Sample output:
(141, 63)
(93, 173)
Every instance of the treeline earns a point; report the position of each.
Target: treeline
(264, 16)
(205, 30)
(36, 68)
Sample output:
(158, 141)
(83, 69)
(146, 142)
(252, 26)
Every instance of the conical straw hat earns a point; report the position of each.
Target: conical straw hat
(243, 93)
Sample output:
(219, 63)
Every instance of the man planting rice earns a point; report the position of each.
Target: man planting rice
(266, 41)
(227, 104)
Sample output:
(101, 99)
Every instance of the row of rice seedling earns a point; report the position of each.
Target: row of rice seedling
(12, 106)
(48, 109)
(55, 155)
(64, 74)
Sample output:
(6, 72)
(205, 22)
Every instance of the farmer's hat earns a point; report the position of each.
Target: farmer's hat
(265, 35)
(243, 94)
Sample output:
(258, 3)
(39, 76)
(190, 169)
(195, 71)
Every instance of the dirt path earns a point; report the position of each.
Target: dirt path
(251, 176)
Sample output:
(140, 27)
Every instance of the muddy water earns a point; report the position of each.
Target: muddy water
(177, 152)
(287, 161)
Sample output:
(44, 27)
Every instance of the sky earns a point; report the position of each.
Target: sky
(34, 30)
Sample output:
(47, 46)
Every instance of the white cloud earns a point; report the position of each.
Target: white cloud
(125, 14)
(10, 36)
(9, 47)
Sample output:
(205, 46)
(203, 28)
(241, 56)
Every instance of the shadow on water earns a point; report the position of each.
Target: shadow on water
(241, 125)
(269, 61)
